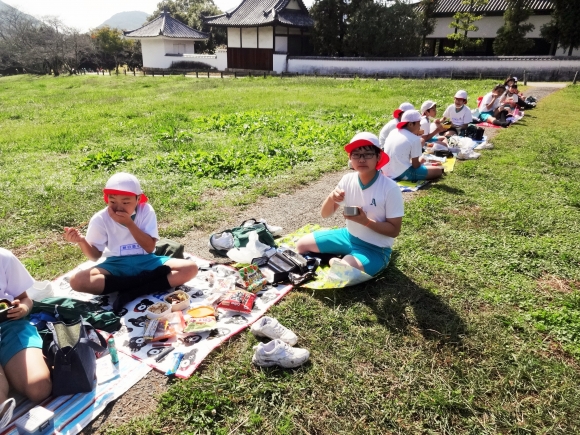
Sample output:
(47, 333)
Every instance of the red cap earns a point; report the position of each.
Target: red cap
(365, 139)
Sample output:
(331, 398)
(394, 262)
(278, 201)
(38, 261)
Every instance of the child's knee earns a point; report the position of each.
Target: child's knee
(76, 281)
(39, 390)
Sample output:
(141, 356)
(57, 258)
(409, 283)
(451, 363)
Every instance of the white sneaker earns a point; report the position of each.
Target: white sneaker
(275, 230)
(271, 328)
(6, 410)
(470, 155)
(484, 146)
(278, 353)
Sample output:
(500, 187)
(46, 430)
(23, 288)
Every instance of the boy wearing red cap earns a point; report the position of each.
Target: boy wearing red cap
(404, 149)
(125, 233)
(367, 240)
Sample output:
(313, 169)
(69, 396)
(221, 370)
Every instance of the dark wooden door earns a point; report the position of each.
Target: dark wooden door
(251, 58)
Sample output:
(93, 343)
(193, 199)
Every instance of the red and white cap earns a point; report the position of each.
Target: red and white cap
(364, 139)
(124, 184)
(409, 116)
(461, 94)
(403, 108)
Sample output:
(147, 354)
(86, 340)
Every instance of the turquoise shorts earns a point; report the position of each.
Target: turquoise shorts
(131, 265)
(413, 174)
(17, 335)
(485, 115)
(340, 242)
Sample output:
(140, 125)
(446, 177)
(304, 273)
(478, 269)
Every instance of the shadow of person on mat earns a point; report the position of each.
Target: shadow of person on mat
(400, 304)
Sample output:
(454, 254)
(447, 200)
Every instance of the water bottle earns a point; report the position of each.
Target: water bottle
(113, 350)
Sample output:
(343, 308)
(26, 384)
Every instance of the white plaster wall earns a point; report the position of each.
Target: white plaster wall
(249, 37)
(488, 27)
(279, 63)
(541, 68)
(281, 44)
(564, 52)
(153, 50)
(218, 60)
(266, 37)
(293, 4)
(234, 37)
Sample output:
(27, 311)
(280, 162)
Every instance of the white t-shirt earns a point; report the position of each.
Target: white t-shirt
(389, 126)
(487, 100)
(401, 147)
(14, 278)
(380, 201)
(458, 118)
(426, 126)
(114, 239)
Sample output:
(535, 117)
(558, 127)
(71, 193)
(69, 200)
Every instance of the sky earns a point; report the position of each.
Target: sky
(86, 14)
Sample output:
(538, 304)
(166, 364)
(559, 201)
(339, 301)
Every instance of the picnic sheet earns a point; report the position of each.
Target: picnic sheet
(488, 125)
(328, 277)
(196, 346)
(73, 412)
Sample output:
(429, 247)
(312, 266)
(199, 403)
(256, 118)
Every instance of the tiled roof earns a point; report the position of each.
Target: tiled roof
(263, 12)
(166, 25)
(452, 6)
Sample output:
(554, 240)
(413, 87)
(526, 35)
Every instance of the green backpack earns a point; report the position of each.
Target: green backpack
(241, 237)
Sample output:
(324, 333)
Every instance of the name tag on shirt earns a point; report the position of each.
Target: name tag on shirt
(132, 249)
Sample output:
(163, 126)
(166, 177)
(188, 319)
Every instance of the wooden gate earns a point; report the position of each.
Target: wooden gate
(251, 58)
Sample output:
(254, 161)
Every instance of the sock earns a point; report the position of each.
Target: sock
(129, 288)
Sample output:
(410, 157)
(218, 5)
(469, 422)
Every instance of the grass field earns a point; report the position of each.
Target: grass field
(474, 327)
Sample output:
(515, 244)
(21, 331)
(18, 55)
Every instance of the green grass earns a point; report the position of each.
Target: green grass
(474, 327)
(61, 138)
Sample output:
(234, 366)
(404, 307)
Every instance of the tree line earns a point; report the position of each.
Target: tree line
(396, 28)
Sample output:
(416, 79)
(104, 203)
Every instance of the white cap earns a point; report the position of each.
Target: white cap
(411, 116)
(461, 94)
(427, 105)
(124, 182)
(406, 106)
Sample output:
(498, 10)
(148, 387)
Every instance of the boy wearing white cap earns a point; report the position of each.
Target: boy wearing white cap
(404, 149)
(367, 240)
(392, 124)
(428, 112)
(458, 112)
(125, 233)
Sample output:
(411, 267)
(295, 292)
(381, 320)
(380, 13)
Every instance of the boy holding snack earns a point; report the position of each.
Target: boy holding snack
(369, 235)
(125, 233)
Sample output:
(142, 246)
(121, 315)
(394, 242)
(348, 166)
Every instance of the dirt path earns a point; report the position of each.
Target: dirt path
(290, 211)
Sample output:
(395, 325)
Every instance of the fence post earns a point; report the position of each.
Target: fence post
(135, 72)
(235, 74)
(208, 74)
(575, 77)
(264, 75)
(525, 78)
(451, 75)
(153, 73)
(197, 74)
(162, 73)
(222, 74)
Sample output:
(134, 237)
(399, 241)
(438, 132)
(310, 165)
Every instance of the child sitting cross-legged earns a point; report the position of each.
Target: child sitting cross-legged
(367, 240)
(125, 233)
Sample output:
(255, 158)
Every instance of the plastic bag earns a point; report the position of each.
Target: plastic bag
(253, 249)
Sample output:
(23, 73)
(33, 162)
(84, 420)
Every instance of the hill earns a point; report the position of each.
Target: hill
(126, 20)
(4, 6)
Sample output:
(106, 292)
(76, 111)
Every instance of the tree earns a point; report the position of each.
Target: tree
(192, 14)
(563, 29)
(330, 25)
(110, 46)
(427, 21)
(463, 24)
(511, 37)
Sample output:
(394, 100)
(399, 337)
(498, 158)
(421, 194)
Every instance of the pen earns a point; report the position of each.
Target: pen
(163, 354)
(161, 344)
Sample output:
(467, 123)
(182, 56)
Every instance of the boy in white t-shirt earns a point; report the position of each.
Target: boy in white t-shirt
(458, 112)
(22, 365)
(403, 146)
(392, 124)
(430, 130)
(491, 109)
(367, 240)
(125, 233)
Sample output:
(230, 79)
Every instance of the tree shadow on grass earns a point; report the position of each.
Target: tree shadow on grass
(445, 188)
(401, 305)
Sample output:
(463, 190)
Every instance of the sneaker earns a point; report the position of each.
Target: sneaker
(6, 410)
(278, 353)
(484, 146)
(275, 230)
(470, 155)
(271, 328)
